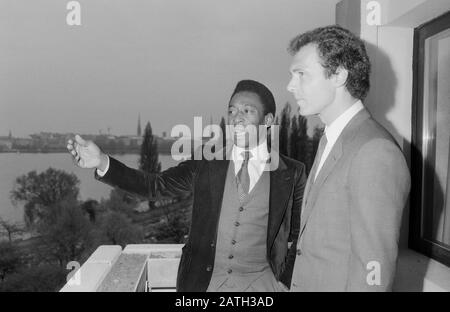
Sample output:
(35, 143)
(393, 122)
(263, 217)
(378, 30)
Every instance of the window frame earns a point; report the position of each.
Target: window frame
(418, 213)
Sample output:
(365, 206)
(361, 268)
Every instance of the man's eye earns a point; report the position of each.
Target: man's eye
(249, 110)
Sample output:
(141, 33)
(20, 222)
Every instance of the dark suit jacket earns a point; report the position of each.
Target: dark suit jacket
(205, 180)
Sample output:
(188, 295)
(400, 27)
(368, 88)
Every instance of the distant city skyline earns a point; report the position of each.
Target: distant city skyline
(167, 60)
(140, 126)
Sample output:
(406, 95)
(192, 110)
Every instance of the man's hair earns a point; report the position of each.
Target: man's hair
(259, 89)
(338, 47)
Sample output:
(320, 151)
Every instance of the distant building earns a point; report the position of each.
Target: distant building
(125, 140)
(22, 142)
(139, 132)
(136, 140)
(5, 143)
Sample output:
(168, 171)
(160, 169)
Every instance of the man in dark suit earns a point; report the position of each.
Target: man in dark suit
(245, 210)
(359, 182)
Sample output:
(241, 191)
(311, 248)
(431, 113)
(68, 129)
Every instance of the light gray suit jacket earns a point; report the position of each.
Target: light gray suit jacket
(351, 214)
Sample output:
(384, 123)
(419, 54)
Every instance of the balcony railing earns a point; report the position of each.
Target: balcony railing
(152, 268)
(137, 268)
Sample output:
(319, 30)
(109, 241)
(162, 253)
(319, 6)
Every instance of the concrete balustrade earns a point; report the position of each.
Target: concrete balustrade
(91, 274)
(129, 274)
(162, 264)
(154, 268)
(138, 268)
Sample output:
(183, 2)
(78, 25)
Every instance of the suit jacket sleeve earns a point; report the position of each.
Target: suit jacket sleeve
(299, 188)
(379, 185)
(176, 181)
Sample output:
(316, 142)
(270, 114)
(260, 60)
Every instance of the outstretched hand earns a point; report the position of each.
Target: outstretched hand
(86, 153)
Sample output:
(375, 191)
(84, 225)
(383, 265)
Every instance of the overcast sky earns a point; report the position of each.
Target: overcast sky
(169, 60)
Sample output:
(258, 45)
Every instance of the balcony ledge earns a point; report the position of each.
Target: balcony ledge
(154, 267)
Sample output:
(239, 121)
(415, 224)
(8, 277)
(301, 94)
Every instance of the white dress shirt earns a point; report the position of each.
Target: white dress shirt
(256, 164)
(334, 130)
(102, 173)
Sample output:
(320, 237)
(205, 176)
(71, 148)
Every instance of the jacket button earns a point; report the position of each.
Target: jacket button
(212, 244)
(241, 209)
(233, 242)
(209, 268)
(299, 252)
(230, 257)
(229, 271)
(237, 223)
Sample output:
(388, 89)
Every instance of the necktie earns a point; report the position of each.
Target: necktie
(243, 176)
(322, 143)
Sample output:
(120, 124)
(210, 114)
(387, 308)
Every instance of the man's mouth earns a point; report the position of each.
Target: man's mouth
(239, 128)
(300, 102)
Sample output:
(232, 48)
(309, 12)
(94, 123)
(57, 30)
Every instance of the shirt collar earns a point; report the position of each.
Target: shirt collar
(259, 152)
(336, 127)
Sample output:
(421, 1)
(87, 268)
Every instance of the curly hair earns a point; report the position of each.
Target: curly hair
(265, 95)
(338, 47)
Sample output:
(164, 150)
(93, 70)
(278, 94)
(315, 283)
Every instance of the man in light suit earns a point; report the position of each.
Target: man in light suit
(245, 209)
(359, 183)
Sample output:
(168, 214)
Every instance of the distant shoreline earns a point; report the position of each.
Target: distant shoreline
(62, 151)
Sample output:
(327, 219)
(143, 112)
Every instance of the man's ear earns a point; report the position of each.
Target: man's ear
(341, 76)
(268, 120)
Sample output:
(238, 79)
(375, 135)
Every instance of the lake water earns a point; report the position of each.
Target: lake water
(13, 165)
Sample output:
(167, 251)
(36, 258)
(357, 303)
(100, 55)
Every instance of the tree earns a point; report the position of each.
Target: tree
(52, 209)
(9, 259)
(285, 124)
(41, 278)
(119, 230)
(148, 161)
(10, 228)
(116, 226)
(173, 226)
(120, 201)
(66, 231)
(90, 207)
(172, 230)
(224, 133)
(40, 191)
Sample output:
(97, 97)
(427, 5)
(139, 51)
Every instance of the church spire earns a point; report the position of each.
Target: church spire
(139, 126)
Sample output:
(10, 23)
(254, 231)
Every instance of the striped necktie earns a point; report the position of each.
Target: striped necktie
(243, 177)
(322, 144)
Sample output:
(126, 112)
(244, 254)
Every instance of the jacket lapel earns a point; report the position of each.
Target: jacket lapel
(312, 189)
(281, 182)
(217, 175)
(309, 183)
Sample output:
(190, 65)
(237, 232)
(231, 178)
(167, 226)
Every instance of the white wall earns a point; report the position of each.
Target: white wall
(413, 13)
(390, 47)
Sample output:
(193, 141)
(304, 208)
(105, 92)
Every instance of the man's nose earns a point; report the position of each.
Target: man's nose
(290, 87)
(240, 114)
